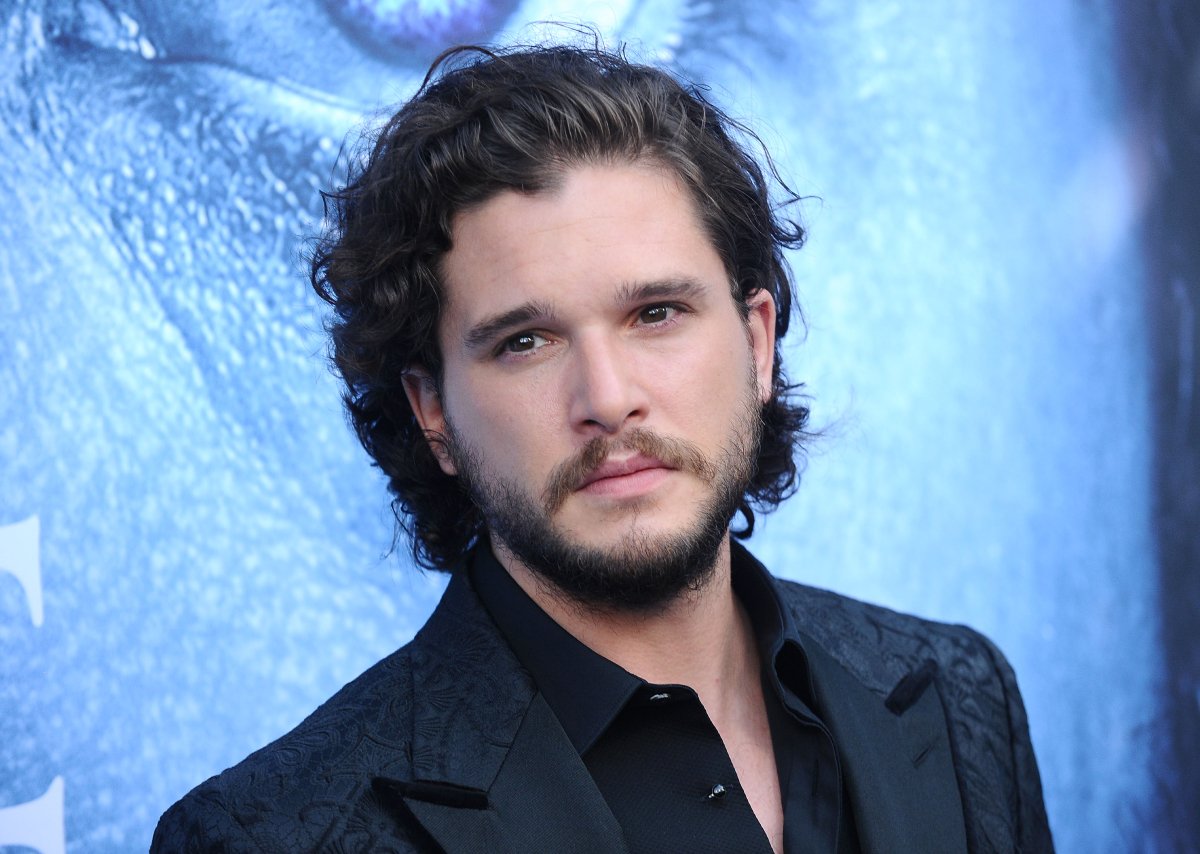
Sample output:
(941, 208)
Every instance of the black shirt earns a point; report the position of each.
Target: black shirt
(653, 752)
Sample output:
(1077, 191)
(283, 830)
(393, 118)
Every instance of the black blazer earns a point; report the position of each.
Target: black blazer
(447, 745)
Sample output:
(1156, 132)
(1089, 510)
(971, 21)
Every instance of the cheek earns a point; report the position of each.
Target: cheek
(506, 426)
(708, 389)
(726, 370)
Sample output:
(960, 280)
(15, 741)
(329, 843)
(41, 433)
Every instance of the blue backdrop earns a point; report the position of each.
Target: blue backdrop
(1002, 283)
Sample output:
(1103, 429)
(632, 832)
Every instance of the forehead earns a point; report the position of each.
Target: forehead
(601, 230)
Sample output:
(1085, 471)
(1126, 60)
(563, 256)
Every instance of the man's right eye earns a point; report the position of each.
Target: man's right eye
(525, 342)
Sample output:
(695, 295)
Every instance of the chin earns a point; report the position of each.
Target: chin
(615, 532)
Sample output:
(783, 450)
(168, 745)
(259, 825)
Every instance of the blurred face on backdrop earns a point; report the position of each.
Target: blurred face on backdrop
(601, 388)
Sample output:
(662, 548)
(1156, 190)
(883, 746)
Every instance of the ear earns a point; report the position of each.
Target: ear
(760, 328)
(426, 403)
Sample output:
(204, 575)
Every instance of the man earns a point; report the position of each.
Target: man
(559, 291)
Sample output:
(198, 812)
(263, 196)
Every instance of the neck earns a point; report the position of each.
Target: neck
(701, 639)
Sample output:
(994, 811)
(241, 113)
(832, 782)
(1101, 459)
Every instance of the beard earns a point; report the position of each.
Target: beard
(646, 569)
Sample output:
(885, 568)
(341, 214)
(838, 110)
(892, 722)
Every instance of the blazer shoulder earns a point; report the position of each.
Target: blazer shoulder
(315, 778)
(880, 645)
(314, 788)
(989, 731)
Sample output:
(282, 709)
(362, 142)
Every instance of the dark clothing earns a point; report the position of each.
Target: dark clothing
(652, 750)
(448, 745)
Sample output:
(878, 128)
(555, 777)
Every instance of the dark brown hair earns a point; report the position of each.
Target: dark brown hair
(484, 122)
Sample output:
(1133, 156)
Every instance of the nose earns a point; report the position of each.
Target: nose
(607, 392)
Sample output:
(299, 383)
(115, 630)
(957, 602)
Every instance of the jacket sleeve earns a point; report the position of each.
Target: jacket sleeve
(1029, 811)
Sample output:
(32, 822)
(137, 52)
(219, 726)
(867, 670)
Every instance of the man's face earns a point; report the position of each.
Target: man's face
(601, 390)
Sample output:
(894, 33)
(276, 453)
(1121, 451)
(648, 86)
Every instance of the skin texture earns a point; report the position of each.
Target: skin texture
(597, 357)
(592, 362)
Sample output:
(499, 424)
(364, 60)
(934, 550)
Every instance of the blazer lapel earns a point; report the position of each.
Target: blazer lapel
(898, 765)
(493, 770)
(543, 799)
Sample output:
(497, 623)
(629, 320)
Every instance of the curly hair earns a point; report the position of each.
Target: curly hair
(485, 121)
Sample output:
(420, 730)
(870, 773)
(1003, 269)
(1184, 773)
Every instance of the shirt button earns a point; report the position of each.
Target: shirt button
(718, 791)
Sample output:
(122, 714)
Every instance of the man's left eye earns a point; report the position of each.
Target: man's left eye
(657, 314)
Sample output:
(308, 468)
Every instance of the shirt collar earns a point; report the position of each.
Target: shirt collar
(780, 643)
(585, 690)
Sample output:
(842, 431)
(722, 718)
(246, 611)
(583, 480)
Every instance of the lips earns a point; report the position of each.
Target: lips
(621, 468)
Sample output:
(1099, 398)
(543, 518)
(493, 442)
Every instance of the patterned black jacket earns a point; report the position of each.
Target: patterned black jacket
(446, 745)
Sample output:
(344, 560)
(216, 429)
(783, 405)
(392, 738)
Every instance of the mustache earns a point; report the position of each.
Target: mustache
(673, 452)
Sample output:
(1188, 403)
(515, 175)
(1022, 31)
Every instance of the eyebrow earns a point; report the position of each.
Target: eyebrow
(679, 288)
(488, 329)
